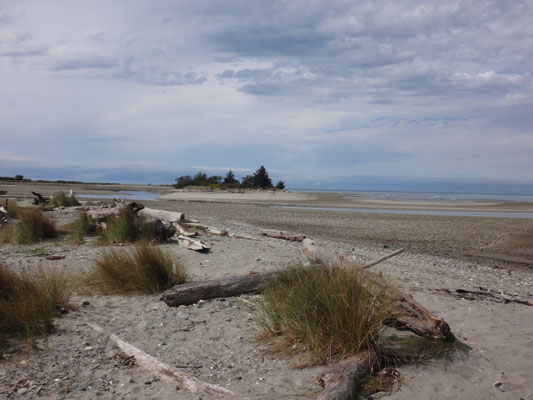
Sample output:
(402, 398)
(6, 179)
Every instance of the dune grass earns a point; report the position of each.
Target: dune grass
(331, 314)
(146, 270)
(127, 227)
(81, 227)
(13, 209)
(62, 200)
(29, 303)
(33, 227)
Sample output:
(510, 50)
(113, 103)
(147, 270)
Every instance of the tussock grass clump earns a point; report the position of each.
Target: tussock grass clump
(13, 209)
(127, 227)
(330, 313)
(29, 303)
(33, 227)
(82, 226)
(146, 270)
(62, 200)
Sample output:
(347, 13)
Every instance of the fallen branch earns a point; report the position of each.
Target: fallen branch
(165, 371)
(293, 237)
(407, 313)
(491, 295)
(190, 293)
(183, 231)
(383, 259)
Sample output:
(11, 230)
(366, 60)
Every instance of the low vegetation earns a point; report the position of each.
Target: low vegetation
(13, 210)
(82, 226)
(62, 200)
(331, 314)
(32, 227)
(259, 179)
(29, 303)
(126, 227)
(146, 270)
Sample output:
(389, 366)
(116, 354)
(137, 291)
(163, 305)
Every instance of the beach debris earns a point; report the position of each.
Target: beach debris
(163, 230)
(5, 219)
(39, 200)
(219, 232)
(183, 232)
(165, 216)
(294, 237)
(54, 257)
(340, 381)
(407, 313)
(385, 258)
(163, 371)
(191, 244)
(193, 292)
(487, 294)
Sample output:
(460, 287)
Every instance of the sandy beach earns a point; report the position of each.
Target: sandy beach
(216, 341)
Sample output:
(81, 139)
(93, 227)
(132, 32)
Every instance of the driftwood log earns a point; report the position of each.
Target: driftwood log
(39, 199)
(165, 371)
(340, 382)
(162, 215)
(294, 237)
(190, 293)
(407, 314)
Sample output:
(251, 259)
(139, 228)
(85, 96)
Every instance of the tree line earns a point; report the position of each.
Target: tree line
(259, 179)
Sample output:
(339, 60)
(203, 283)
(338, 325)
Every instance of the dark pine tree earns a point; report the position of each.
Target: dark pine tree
(261, 178)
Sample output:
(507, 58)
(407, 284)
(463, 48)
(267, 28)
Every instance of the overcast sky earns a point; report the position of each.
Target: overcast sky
(316, 91)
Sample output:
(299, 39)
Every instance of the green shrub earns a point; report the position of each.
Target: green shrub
(146, 270)
(33, 227)
(29, 303)
(62, 200)
(330, 313)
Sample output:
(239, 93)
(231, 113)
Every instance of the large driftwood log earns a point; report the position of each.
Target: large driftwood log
(165, 216)
(294, 237)
(100, 214)
(341, 381)
(165, 371)
(407, 313)
(190, 293)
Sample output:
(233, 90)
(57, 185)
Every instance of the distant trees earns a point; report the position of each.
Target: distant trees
(259, 179)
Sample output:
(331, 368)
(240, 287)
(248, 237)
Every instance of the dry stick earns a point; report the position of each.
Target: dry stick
(164, 371)
(383, 259)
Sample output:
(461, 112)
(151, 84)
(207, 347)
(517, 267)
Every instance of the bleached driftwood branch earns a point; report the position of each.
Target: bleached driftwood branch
(294, 237)
(165, 371)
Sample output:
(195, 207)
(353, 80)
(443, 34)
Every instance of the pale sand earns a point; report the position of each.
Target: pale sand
(243, 197)
(219, 337)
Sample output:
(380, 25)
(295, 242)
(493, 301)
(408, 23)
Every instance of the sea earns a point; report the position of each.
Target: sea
(428, 196)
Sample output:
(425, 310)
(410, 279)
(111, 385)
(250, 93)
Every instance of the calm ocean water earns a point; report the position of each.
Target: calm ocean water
(428, 196)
